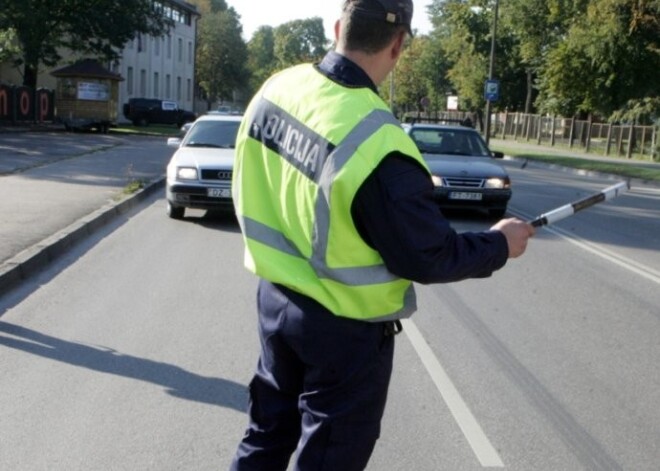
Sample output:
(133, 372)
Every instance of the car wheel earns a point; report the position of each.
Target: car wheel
(497, 213)
(175, 212)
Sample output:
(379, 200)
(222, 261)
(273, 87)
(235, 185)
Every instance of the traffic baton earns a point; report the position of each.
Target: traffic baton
(569, 209)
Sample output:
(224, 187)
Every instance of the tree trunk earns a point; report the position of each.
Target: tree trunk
(30, 74)
(530, 84)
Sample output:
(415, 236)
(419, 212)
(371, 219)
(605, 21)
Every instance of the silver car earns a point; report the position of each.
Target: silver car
(464, 171)
(199, 173)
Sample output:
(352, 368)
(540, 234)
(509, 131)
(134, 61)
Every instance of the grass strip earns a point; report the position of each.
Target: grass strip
(640, 170)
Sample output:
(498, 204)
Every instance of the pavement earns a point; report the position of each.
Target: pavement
(56, 188)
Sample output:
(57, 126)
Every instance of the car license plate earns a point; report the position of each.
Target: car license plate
(465, 195)
(218, 192)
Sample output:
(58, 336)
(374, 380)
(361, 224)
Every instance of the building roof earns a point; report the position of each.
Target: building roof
(88, 68)
(188, 6)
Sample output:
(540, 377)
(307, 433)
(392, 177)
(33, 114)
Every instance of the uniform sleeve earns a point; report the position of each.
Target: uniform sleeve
(395, 213)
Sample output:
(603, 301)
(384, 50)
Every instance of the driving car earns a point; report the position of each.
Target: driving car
(464, 170)
(200, 170)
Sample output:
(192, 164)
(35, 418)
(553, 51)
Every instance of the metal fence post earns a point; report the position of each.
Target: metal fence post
(552, 130)
(609, 139)
(631, 139)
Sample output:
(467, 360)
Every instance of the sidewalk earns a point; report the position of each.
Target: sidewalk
(56, 188)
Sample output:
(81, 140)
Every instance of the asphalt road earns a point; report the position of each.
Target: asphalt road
(133, 350)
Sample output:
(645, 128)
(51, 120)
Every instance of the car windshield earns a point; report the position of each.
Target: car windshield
(221, 134)
(449, 142)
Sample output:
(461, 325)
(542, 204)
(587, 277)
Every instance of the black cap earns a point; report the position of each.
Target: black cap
(396, 12)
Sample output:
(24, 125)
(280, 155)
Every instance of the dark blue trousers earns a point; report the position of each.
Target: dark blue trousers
(319, 389)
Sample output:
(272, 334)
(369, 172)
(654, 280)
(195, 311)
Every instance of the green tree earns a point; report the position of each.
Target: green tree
(463, 28)
(608, 60)
(221, 55)
(100, 28)
(209, 6)
(299, 41)
(8, 47)
(261, 56)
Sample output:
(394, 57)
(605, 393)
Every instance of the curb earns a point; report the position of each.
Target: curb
(35, 258)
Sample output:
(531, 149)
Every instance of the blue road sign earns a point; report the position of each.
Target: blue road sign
(492, 90)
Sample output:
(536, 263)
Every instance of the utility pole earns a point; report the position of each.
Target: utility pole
(491, 67)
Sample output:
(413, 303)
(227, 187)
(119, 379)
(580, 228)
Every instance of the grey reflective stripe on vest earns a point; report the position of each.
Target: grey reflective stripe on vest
(340, 156)
(353, 276)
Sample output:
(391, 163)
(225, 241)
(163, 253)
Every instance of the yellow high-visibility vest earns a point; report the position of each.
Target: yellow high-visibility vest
(304, 148)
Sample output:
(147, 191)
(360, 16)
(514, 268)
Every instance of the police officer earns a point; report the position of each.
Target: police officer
(336, 208)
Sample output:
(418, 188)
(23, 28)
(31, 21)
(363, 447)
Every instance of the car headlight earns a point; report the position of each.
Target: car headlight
(437, 181)
(186, 173)
(497, 183)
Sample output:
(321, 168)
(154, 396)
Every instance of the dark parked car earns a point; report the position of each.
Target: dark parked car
(145, 111)
(464, 170)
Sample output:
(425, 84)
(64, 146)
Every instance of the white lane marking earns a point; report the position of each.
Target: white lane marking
(481, 446)
(623, 262)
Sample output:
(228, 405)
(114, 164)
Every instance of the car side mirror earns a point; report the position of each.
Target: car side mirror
(498, 155)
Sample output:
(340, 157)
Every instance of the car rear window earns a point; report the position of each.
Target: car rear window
(212, 134)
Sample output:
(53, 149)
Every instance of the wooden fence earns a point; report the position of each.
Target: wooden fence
(626, 140)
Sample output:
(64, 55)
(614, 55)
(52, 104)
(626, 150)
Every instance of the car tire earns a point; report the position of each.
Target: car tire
(175, 212)
(498, 213)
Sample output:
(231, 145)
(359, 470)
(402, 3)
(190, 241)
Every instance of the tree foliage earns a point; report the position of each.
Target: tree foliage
(299, 41)
(100, 28)
(559, 56)
(608, 59)
(221, 55)
(273, 49)
(261, 56)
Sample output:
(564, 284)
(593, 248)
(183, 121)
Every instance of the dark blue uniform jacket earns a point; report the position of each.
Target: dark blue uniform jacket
(395, 213)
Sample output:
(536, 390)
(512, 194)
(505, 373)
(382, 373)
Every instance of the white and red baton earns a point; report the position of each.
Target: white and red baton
(569, 209)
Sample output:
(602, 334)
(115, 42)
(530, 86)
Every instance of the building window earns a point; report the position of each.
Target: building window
(178, 88)
(156, 85)
(189, 90)
(180, 49)
(157, 46)
(140, 43)
(168, 90)
(143, 82)
(129, 80)
(169, 47)
(190, 52)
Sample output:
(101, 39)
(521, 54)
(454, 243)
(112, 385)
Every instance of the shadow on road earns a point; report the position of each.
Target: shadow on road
(176, 381)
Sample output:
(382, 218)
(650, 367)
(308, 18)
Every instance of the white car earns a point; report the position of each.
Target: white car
(199, 173)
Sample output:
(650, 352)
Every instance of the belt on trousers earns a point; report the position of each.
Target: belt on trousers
(393, 327)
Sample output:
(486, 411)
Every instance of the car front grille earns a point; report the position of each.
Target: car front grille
(464, 182)
(214, 174)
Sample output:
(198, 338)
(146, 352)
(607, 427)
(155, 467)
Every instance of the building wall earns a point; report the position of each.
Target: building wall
(161, 67)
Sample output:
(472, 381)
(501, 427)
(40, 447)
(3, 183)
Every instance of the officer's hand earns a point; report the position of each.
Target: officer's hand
(517, 234)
